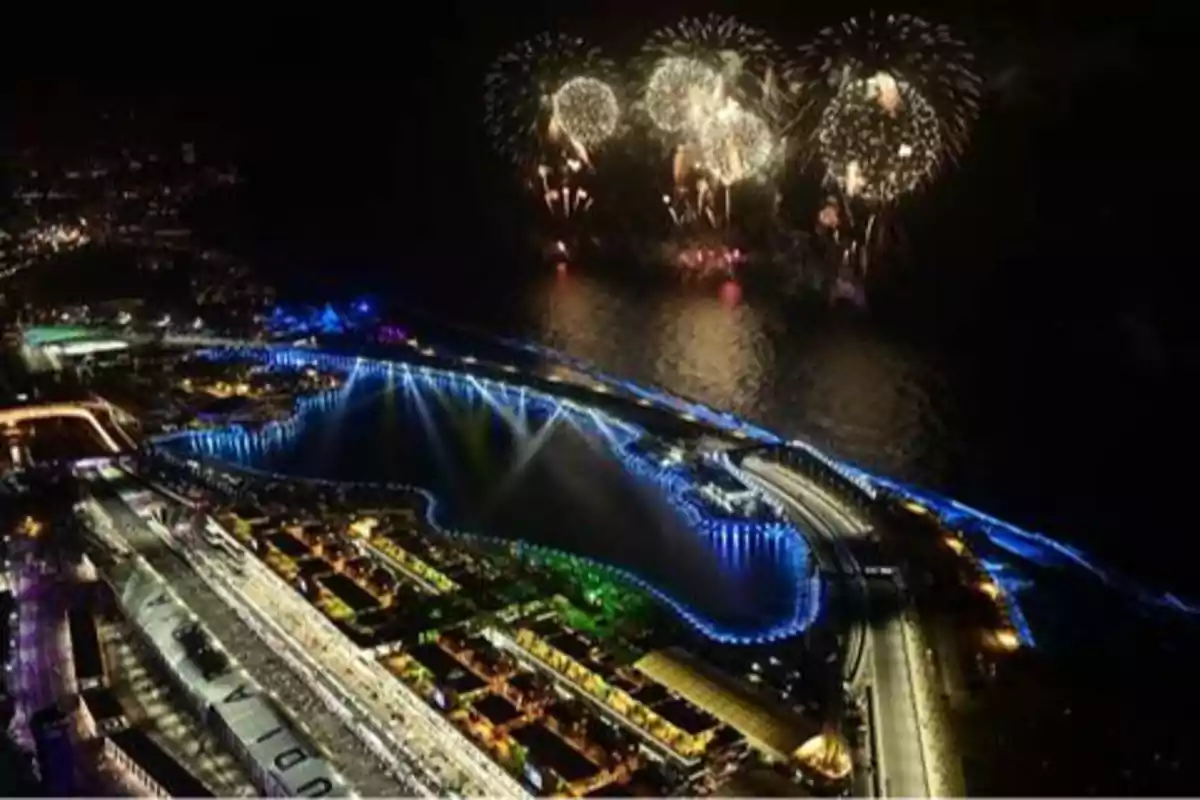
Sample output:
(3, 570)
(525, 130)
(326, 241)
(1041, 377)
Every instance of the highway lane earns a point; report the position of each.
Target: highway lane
(37, 649)
(843, 520)
(905, 772)
(902, 757)
(828, 526)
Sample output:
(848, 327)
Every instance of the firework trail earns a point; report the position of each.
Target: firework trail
(549, 103)
(711, 88)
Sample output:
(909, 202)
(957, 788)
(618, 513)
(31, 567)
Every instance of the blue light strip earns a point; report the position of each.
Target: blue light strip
(1009, 588)
(723, 420)
(808, 605)
(619, 434)
(951, 511)
(956, 514)
(870, 483)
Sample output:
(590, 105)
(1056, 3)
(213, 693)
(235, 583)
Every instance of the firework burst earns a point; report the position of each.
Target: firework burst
(724, 43)
(925, 56)
(750, 66)
(879, 139)
(524, 88)
(682, 91)
(736, 144)
(712, 88)
(586, 111)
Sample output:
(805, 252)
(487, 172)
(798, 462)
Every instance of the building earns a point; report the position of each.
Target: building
(279, 758)
(100, 712)
(158, 773)
(85, 646)
(56, 763)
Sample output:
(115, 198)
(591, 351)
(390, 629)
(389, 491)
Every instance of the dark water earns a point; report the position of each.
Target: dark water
(505, 467)
(1055, 422)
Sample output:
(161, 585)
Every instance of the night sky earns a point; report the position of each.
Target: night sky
(1068, 220)
(361, 137)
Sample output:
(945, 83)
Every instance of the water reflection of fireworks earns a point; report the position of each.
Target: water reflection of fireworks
(704, 261)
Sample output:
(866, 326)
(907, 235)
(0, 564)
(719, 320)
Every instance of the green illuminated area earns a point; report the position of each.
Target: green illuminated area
(601, 602)
(39, 335)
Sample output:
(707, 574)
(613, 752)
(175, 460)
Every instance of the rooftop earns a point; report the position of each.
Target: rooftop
(498, 710)
(446, 668)
(158, 764)
(766, 728)
(548, 751)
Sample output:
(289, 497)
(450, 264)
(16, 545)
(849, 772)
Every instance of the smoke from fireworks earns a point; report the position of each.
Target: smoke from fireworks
(879, 138)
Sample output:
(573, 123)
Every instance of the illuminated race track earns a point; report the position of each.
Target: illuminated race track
(1017, 547)
(878, 656)
(83, 411)
(882, 658)
(1025, 546)
(420, 750)
(242, 635)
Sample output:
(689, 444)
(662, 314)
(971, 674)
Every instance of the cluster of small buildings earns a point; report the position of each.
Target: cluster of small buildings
(685, 731)
(167, 390)
(484, 637)
(528, 719)
(124, 194)
(998, 619)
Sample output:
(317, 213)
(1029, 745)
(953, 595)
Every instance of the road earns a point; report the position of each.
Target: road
(42, 645)
(295, 692)
(432, 747)
(399, 726)
(903, 762)
(147, 698)
(904, 770)
(829, 526)
(44, 663)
